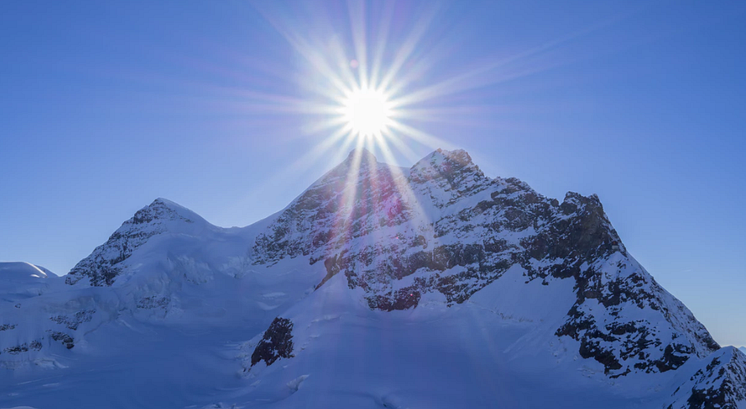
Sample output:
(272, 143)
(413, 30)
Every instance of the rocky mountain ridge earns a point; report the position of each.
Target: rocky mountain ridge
(386, 242)
(393, 240)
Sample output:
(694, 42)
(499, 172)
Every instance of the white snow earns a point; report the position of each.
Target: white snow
(179, 325)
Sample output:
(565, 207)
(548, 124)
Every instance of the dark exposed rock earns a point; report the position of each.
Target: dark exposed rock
(625, 341)
(402, 299)
(332, 268)
(6, 327)
(721, 384)
(15, 350)
(277, 343)
(65, 339)
(32, 346)
(477, 272)
(152, 302)
(74, 321)
(674, 356)
(590, 348)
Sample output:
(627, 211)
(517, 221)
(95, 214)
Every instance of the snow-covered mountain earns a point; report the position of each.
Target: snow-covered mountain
(379, 286)
(19, 280)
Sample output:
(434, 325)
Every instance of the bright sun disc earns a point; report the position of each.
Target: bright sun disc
(367, 112)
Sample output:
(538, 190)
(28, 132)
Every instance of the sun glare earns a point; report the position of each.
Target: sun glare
(367, 112)
(367, 86)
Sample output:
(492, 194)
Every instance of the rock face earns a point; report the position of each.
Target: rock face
(74, 322)
(719, 384)
(443, 227)
(103, 266)
(277, 343)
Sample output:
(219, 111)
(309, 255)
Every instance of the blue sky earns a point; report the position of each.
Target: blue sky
(108, 105)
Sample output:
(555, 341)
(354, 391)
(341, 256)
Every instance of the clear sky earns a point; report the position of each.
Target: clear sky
(105, 106)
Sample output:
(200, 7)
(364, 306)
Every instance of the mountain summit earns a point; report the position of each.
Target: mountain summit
(379, 286)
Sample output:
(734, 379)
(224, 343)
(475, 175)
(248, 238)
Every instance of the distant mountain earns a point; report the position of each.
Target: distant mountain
(434, 286)
(19, 280)
(22, 271)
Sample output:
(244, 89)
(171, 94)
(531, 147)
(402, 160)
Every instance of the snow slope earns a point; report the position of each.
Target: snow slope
(20, 280)
(377, 287)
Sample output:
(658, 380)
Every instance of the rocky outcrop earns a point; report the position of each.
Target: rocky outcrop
(721, 383)
(276, 343)
(152, 302)
(32, 346)
(74, 321)
(63, 338)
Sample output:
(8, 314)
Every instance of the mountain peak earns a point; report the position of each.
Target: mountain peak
(455, 166)
(160, 201)
(456, 155)
(363, 154)
(360, 158)
(359, 161)
(164, 209)
(104, 264)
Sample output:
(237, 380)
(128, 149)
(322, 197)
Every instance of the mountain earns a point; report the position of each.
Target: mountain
(379, 286)
(19, 280)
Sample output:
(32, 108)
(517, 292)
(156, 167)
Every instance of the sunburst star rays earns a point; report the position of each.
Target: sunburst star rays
(369, 80)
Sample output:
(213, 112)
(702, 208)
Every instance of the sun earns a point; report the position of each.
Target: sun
(367, 112)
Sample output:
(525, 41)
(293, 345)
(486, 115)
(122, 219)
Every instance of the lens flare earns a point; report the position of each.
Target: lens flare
(368, 81)
(367, 112)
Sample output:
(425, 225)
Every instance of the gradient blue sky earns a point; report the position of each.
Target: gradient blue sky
(105, 106)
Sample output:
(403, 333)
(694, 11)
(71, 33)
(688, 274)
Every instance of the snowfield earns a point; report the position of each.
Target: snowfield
(378, 287)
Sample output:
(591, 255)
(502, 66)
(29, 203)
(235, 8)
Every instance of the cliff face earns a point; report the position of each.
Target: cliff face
(443, 227)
